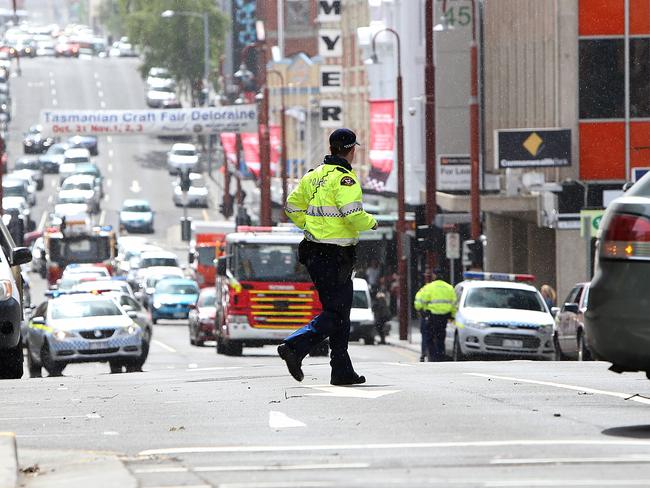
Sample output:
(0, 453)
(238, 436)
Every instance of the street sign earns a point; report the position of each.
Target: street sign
(227, 118)
(595, 217)
(452, 241)
(532, 148)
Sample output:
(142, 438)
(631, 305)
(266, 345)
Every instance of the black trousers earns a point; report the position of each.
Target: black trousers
(436, 332)
(330, 268)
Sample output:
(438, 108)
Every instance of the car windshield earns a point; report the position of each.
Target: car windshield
(29, 164)
(136, 207)
(185, 152)
(198, 182)
(13, 191)
(166, 89)
(76, 160)
(148, 262)
(77, 309)
(207, 299)
(177, 288)
(77, 186)
(360, 299)
(268, 262)
(504, 298)
(71, 199)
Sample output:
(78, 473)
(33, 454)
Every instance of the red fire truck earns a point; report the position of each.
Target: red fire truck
(77, 243)
(263, 292)
(208, 238)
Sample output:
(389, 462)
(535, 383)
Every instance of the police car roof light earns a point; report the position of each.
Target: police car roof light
(478, 275)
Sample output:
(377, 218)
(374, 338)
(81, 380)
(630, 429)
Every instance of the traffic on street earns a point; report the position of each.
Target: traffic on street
(247, 244)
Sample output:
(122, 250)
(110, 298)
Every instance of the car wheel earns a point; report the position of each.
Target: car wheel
(53, 368)
(133, 368)
(457, 354)
(116, 366)
(322, 349)
(199, 343)
(233, 348)
(154, 320)
(11, 362)
(558, 350)
(34, 367)
(583, 352)
(143, 356)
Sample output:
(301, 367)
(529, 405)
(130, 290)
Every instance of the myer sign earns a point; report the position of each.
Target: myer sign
(239, 118)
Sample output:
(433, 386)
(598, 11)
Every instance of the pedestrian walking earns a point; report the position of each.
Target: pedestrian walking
(382, 315)
(373, 271)
(437, 302)
(327, 205)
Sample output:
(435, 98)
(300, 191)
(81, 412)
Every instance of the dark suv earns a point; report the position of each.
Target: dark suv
(11, 304)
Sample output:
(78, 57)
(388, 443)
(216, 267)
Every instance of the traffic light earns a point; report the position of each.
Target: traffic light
(473, 254)
(185, 180)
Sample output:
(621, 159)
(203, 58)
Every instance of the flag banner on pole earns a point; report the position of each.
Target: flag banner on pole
(382, 144)
(229, 144)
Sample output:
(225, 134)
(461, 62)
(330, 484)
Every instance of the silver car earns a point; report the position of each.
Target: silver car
(196, 196)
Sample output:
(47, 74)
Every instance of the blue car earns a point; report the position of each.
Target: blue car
(172, 299)
(136, 216)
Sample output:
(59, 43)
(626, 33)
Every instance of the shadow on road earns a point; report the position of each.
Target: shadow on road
(631, 431)
(153, 160)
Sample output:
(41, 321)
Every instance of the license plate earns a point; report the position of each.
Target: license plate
(513, 343)
(97, 345)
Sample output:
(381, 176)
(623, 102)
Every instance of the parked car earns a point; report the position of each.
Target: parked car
(362, 318)
(202, 318)
(173, 298)
(569, 330)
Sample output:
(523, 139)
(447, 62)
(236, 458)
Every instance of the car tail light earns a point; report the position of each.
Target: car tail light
(626, 236)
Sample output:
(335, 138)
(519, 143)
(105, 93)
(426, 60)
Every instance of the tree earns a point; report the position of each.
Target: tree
(175, 43)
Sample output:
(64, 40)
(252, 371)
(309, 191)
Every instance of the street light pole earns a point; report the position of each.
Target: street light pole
(283, 148)
(430, 131)
(401, 211)
(264, 144)
(474, 132)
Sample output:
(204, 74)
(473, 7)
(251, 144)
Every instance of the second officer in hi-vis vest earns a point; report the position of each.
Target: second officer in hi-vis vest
(327, 205)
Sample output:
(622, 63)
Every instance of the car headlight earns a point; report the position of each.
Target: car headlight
(473, 324)
(61, 335)
(6, 290)
(237, 319)
(129, 330)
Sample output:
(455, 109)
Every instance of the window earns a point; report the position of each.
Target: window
(360, 299)
(640, 77)
(602, 79)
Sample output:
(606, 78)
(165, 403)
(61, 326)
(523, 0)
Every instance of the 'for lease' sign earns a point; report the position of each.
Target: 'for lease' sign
(232, 118)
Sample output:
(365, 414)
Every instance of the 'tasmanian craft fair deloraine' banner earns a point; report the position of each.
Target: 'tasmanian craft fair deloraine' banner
(229, 118)
(382, 144)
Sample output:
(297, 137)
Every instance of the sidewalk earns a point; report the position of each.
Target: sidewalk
(414, 341)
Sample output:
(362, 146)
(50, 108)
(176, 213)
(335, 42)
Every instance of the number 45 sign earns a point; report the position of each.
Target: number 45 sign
(456, 15)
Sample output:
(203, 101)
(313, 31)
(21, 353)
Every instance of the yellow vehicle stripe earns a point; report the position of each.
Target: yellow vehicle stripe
(263, 313)
(262, 299)
(282, 292)
(272, 307)
(41, 327)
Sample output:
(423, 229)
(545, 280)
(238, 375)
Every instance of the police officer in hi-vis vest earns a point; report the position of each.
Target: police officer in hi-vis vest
(327, 205)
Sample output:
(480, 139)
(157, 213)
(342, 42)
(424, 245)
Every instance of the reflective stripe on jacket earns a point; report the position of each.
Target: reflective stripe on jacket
(437, 297)
(327, 204)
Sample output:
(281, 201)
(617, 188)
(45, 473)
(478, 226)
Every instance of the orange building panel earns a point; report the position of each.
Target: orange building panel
(639, 144)
(602, 151)
(639, 17)
(601, 17)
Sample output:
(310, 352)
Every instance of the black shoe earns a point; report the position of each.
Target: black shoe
(292, 360)
(353, 380)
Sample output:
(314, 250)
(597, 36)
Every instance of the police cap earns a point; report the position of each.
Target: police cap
(343, 139)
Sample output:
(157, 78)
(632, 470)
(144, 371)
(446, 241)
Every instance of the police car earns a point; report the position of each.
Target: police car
(500, 315)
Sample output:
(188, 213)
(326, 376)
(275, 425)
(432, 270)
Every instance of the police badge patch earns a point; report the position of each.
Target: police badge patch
(347, 181)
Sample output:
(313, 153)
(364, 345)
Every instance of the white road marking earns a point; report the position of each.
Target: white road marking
(399, 364)
(109, 182)
(53, 183)
(288, 467)
(102, 217)
(206, 217)
(50, 199)
(41, 223)
(96, 75)
(99, 84)
(110, 155)
(110, 165)
(135, 187)
(184, 486)
(641, 458)
(107, 197)
(51, 73)
(109, 139)
(279, 420)
(110, 433)
(583, 482)
(616, 394)
(280, 484)
(161, 469)
(163, 345)
(192, 366)
(398, 445)
(347, 392)
(100, 94)
(51, 417)
(53, 92)
(93, 416)
(54, 102)
(102, 104)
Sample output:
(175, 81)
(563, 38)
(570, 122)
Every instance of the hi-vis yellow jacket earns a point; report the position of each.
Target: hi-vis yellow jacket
(327, 204)
(437, 297)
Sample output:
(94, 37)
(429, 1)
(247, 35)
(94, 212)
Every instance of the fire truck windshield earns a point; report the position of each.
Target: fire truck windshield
(82, 249)
(268, 262)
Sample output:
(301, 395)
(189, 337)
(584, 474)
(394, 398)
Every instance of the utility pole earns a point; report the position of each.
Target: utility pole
(430, 134)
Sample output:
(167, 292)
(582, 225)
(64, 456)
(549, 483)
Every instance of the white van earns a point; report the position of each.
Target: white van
(362, 320)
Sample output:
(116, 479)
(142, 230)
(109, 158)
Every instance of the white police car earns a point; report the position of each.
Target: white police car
(498, 315)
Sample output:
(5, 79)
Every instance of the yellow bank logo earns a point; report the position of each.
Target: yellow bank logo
(533, 143)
